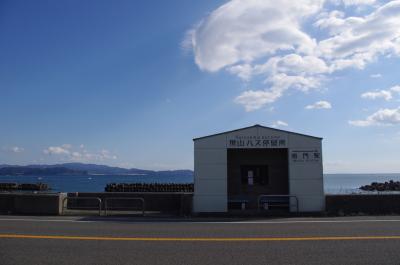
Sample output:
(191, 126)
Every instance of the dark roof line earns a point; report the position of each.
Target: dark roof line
(256, 125)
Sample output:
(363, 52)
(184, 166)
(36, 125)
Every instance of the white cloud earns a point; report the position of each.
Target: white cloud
(360, 40)
(295, 64)
(384, 94)
(395, 89)
(243, 71)
(379, 118)
(90, 156)
(358, 2)
(100, 156)
(250, 38)
(13, 149)
(17, 149)
(320, 105)
(253, 100)
(76, 155)
(105, 154)
(80, 154)
(56, 150)
(376, 76)
(66, 146)
(246, 30)
(279, 123)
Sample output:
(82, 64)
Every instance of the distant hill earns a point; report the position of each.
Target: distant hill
(83, 169)
(102, 169)
(18, 170)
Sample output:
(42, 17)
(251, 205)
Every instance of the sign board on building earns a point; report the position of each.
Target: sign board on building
(304, 156)
(256, 141)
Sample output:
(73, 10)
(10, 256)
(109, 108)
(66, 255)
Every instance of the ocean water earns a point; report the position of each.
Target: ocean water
(91, 183)
(350, 183)
(333, 183)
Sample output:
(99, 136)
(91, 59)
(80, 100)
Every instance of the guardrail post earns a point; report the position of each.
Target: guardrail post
(124, 198)
(286, 196)
(80, 198)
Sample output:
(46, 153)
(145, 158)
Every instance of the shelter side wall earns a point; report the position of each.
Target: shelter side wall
(214, 142)
(311, 203)
(210, 192)
(306, 174)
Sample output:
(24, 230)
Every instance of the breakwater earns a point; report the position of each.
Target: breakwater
(383, 186)
(24, 187)
(362, 204)
(149, 187)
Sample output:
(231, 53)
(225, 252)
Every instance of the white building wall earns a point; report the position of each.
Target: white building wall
(271, 132)
(244, 132)
(306, 178)
(210, 175)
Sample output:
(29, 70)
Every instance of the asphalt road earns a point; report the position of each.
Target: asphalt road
(74, 240)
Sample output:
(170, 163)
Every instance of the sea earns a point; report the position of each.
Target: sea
(333, 183)
(90, 183)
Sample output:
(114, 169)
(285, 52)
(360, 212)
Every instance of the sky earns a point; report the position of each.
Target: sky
(131, 83)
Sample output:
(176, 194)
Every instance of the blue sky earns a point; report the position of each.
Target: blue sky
(130, 83)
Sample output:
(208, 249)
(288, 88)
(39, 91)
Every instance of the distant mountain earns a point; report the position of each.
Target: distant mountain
(5, 165)
(82, 169)
(174, 173)
(102, 169)
(17, 170)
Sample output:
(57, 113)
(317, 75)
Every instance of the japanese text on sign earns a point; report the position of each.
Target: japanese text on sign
(305, 156)
(257, 142)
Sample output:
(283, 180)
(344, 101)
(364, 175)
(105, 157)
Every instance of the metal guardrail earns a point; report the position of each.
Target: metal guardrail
(81, 198)
(243, 202)
(279, 196)
(106, 200)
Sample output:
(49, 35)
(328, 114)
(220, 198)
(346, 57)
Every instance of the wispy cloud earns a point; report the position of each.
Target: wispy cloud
(253, 100)
(320, 105)
(79, 154)
(267, 39)
(376, 76)
(56, 150)
(384, 94)
(278, 123)
(382, 117)
(14, 149)
(358, 2)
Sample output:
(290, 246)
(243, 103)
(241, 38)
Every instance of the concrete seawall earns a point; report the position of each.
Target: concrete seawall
(51, 204)
(30, 203)
(361, 203)
(177, 203)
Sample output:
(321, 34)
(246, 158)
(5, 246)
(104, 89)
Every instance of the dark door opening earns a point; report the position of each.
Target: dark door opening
(253, 175)
(255, 172)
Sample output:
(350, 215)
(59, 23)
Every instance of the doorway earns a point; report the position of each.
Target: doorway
(252, 172)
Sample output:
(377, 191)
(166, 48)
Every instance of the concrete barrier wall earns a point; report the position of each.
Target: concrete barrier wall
(366, 204)
(29, 203)
(166, 202)
(181, 203)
